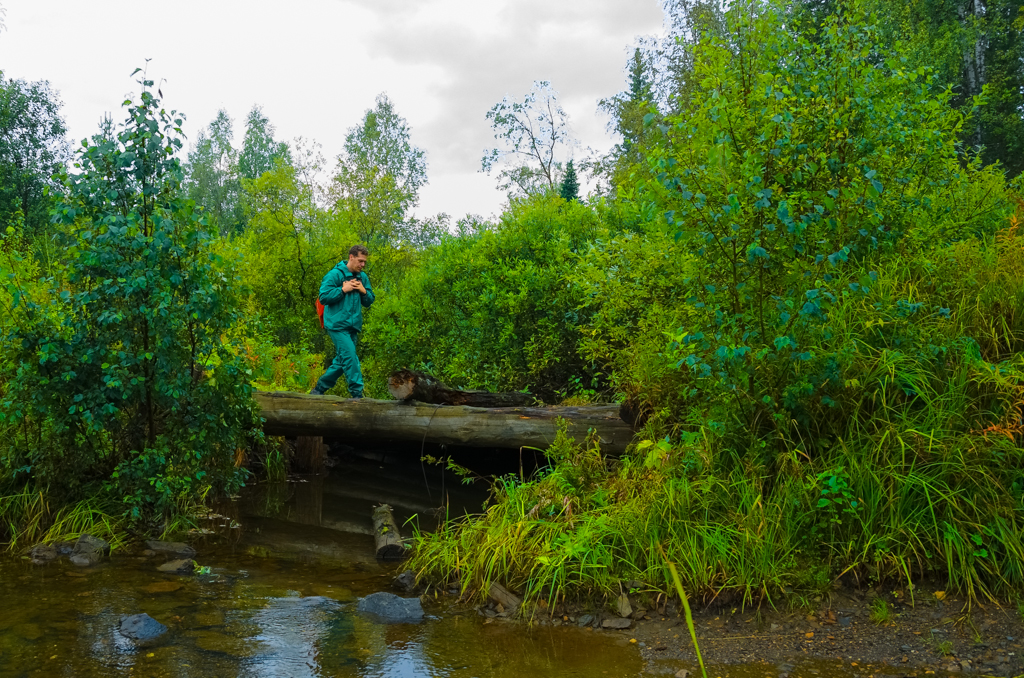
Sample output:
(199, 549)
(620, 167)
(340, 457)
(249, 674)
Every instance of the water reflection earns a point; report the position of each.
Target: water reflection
(263, 617)
(280, 599)
(292, 632)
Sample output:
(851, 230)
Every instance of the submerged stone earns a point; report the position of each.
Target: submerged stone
(390, 609)
(215, 641)
(162, 587)
(89, 550)
(182, 566)
(171, 548)
(406, 581)
(42, 554)
(27, 631)
(141, 628)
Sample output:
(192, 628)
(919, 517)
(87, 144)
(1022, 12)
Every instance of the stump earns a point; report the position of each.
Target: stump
(310, 453)
(387, 539)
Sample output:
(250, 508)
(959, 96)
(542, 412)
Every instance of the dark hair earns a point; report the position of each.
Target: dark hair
(356, 250)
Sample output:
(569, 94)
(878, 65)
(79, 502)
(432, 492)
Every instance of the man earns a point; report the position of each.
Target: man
(344, 292)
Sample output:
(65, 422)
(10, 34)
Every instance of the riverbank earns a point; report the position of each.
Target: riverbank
(932, 633)
(851, 632)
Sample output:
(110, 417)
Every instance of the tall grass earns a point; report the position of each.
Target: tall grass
(915, 468)
(26, 518)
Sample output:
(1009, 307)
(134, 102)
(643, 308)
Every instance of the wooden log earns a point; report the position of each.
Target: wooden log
(502, 595)
(298, 414)
(310, 454)
(409, 385)
(387, 539)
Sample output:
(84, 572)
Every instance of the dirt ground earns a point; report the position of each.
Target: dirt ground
(842, 634)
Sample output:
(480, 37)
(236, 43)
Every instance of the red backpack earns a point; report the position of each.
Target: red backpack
(320, 311)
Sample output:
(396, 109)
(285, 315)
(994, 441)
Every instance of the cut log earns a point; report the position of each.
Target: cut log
(387, 539)
(502, 595)
(409, 385)
(298, 414)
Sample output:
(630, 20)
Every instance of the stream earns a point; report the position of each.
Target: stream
(287, 564)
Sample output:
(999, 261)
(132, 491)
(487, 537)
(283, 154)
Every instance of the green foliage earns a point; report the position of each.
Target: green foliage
(260, 152)
(843, 392)
(379, 177)
(797, 169)
(626, 111)
(121, 379)
(627, 289)
(33, 147)
(570, 188)
(212, 176)
(973, 47)
(292, 240)
(492, 309)
(27, 518)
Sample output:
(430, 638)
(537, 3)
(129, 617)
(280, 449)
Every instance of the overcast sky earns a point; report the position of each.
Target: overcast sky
(316, 65)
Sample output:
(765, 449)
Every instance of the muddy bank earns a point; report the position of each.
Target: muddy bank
(847, 633)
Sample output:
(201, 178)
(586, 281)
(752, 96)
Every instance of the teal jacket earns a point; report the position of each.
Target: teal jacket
(344, 311)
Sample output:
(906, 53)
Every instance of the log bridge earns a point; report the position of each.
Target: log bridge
(295, 414)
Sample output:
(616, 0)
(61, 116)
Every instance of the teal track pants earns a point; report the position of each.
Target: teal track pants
(345, 363)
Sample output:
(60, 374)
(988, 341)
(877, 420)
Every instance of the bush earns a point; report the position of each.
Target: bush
(843, 393)
(492, 309)
(802, 171)
(121, 378)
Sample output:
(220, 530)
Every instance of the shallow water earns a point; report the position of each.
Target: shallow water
(287, 565)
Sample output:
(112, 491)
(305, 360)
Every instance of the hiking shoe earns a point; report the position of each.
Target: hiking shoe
(316, 390)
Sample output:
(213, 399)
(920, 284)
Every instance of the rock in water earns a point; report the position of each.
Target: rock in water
(42, 554)
(406, 581)
(391, 609)
(182, 566)
(620, 623)
(171, 548)
(89, 550)
(141, 628)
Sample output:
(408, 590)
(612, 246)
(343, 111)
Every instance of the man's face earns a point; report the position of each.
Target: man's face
(356, 262)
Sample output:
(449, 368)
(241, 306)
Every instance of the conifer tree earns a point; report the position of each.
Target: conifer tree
(570, 189)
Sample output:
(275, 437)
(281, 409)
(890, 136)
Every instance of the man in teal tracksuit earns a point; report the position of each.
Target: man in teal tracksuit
(344, 292)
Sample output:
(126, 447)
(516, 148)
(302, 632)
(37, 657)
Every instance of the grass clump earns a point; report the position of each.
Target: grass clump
(28, 519)
(879, 611)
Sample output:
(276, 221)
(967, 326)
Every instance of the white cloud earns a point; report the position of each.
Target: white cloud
(316, 65)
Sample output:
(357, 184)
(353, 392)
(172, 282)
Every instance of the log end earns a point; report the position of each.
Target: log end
(392, 552)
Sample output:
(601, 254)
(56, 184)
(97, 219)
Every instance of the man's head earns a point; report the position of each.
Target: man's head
(357, 258)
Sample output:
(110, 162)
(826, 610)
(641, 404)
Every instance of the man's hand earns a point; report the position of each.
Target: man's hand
(353, 285)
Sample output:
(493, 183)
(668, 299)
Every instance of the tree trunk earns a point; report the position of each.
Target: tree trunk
(409, 385)
(295, 414)
(387, 539)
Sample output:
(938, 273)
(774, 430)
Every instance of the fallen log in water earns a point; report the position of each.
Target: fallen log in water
(409, 385)
(297, 414)
(388, 543)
